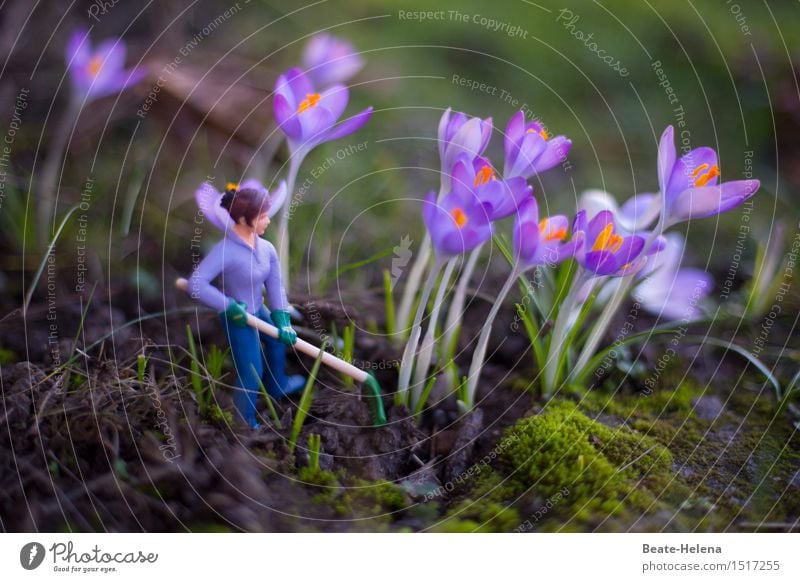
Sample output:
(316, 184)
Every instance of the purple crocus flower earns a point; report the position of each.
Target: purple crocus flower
(309, 118)
(98, 72)
(209, 201)
(669, 291)
(457, 223)
(601, 250)
(529, 149)
(689, 184)
(540, 242)
(329, 60)
(501, 197)
(460, 135)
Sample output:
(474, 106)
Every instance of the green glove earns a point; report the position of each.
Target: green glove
(236, 313)
(286, 334)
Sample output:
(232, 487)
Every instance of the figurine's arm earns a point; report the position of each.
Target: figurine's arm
(276, 294)
(200, 287)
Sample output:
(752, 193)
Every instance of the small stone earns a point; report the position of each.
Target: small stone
(708, 407)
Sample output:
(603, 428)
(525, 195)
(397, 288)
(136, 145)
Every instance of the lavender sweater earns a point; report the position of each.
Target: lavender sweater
(243, 273)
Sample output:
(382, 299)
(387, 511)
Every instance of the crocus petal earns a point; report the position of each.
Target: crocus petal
(711, 200)
(467, 140)
(666, 157)
(286, 117)
(111, 53)
(667, 259)
(208, 201)
(315, 122)
(677, 298)
(299, 84)
(525, 235)
(463, 240)
(284, 90)
(444, 121)
(456, 122)
(462, 176)
(657, 246)
(515, 131)
(555, 152)
(334, 100)
(329, 60)
(278, 198)
(531, 147)
(639, 212)
(349, 126)
(565, 251)
(251, 184)
(504, 196)
(78, 51)
(429, 210)
(486, 134)
(526, 242)
(594, 201)
(579, 223)
(629, 250)
(600, 262)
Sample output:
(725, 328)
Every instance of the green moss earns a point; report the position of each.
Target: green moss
(599, 467)
(479, 516)
(379, 496)
(374, 502)
(7, 357)
(674, 401)
(563, 465)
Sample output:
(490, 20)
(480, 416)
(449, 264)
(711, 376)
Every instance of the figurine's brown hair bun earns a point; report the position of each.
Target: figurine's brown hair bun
(249, 203)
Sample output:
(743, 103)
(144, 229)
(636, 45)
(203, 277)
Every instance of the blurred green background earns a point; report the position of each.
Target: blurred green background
(729, 67)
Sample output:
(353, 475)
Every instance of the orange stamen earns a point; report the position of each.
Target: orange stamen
(699, 169)
(459, 216)
(95, 65)
(706, 177)
(485, 174)
(607, 240)
(549, 234)
(311, 100)
(542, 132)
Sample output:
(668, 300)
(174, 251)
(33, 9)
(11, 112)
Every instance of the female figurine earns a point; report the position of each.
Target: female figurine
(246, 264)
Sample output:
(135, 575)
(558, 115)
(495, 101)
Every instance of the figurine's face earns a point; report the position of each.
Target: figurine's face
(262, 223)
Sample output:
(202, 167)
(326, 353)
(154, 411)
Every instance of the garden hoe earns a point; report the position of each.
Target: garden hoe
(367, 379)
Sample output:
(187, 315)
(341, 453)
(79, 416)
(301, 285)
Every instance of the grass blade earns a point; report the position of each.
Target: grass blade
(305, 401)
(49, 250)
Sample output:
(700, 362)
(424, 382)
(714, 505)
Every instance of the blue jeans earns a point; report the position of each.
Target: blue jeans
(251, 350)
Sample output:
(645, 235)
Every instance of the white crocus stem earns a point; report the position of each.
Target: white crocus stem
(611, 308)
(483, 340)
(560, 331)
(452, 324)
(426, 350)
(407, 363)
(283, 225)
(412, 286)
(415, 279)
(48, 194)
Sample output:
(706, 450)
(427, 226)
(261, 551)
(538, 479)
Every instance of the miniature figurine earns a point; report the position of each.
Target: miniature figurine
(246, 264)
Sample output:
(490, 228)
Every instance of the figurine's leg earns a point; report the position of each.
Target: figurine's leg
(246, 352)
(275, 380)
